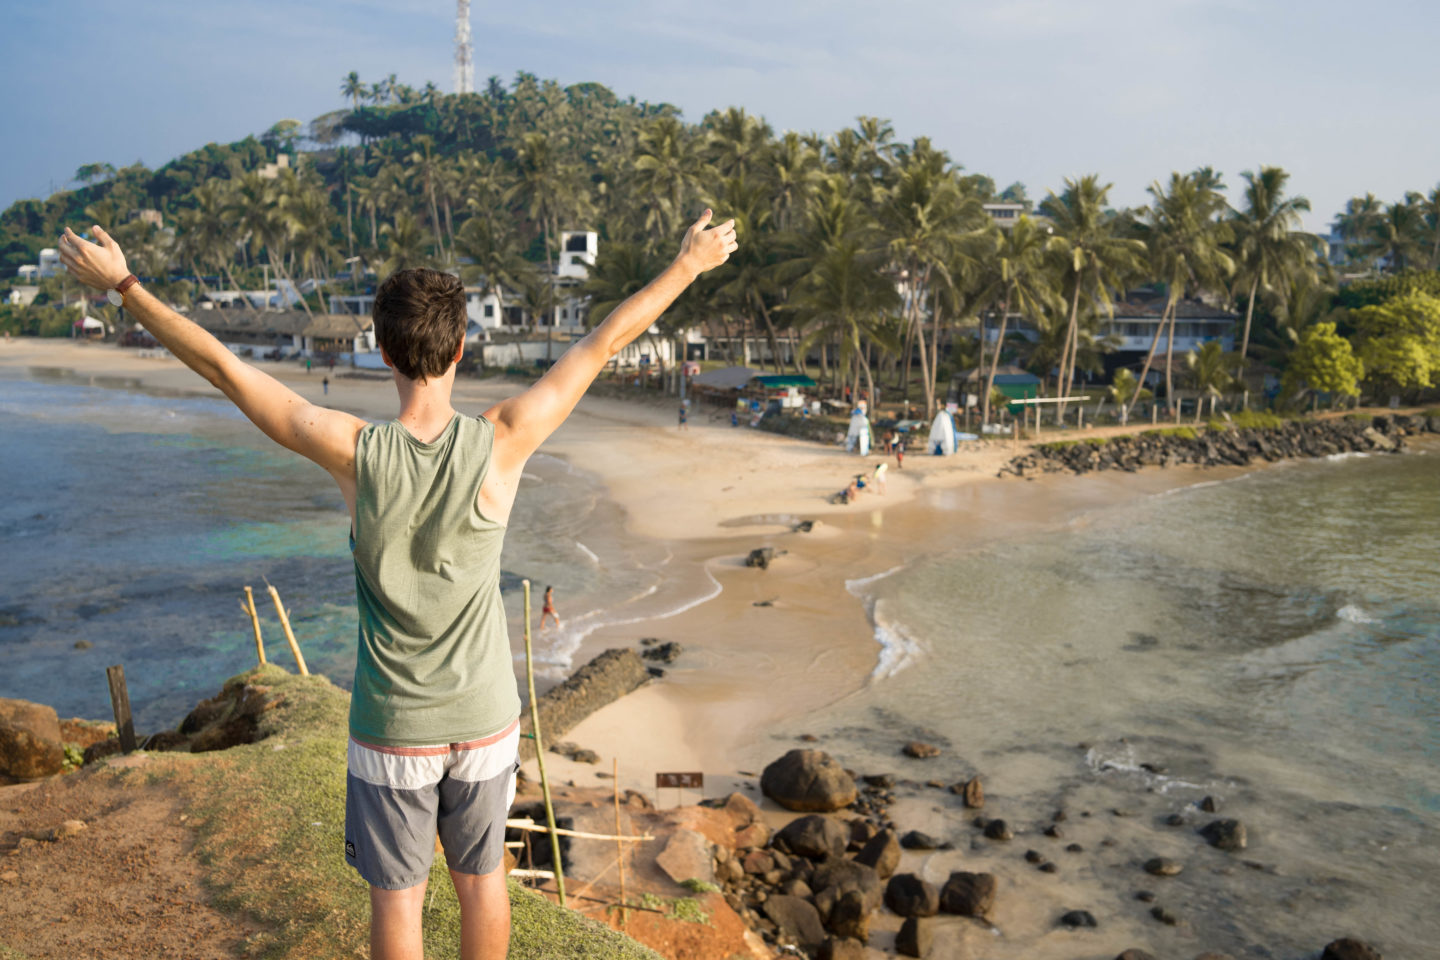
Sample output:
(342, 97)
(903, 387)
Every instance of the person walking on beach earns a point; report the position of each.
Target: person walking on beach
(548, 610)
(899, 452)
(879, 475)
(325, 385)
(683, 414)
(434, 711)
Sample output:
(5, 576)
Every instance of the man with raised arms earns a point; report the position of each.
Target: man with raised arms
(434, 714)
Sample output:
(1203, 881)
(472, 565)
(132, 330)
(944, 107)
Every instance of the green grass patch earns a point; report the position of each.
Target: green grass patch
(271, 837)
(1432, 412)
(1184, 433)
(7, 954)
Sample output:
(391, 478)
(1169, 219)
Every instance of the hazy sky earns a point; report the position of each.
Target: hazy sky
(1343, 95)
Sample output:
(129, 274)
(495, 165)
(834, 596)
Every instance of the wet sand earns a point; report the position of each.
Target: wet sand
(711, 493)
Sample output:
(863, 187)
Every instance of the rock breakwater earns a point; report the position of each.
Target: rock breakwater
(1201, 446)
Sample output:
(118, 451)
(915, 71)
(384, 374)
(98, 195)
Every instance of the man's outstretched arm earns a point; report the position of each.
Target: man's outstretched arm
(523, 422)
(323, 435)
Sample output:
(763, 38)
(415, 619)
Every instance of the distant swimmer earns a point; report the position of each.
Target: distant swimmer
(548, 610)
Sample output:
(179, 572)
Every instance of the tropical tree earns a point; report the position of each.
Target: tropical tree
(1269, 247)
(1022, 283)
(1400, 340)
(1207, 373)
(495, 260)
(404, 244)
(1095, 259)
(352, 88)
(1325, 362)
(1184, 238)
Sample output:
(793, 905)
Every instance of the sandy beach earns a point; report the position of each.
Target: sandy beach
(769, 653)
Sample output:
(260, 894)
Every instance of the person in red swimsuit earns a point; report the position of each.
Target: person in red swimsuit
(548, 610)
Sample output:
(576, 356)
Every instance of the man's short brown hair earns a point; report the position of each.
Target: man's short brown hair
(420, 321)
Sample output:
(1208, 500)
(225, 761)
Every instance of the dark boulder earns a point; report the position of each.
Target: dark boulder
(968, 894)
(907, 895)
(814, 836)
(667, 652)
(1224, 834)
(760, 557)
(1078, 918)
(838, 877)
(915, 937)
(808, 781)
(882, 853)
(1348, 948)
(915, 840)
(796, 920)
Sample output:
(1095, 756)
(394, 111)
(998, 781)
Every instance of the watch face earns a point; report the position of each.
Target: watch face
(115, 297)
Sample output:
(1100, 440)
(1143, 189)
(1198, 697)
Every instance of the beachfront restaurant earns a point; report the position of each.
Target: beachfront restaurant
(289, 332)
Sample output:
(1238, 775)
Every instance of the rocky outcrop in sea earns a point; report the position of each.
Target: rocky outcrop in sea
(1200, 446)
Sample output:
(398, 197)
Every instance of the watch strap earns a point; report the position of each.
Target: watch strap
(126, 284)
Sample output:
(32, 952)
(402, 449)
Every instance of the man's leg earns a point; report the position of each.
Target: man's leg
(484, 914)
(395, 923)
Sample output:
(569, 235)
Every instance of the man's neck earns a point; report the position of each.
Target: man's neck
(425, 408)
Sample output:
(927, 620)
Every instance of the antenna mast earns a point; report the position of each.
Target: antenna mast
(464, 66)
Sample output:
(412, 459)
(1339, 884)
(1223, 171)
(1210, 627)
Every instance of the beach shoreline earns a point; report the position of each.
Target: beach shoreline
(710, 494)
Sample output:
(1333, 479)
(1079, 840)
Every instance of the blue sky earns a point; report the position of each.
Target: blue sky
(1342, 95)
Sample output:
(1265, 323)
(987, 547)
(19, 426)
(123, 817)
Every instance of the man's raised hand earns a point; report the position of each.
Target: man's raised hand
(99, 265)
(705, 249)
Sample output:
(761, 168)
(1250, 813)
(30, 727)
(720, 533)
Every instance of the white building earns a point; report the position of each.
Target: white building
(1137, 316)
(22, 296)
(272, 170)
(50, 265)
(28, 271)
(1004, 214)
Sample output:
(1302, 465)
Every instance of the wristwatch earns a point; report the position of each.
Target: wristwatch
(116, 294)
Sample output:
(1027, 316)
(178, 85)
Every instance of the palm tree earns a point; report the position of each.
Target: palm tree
(1022, 284)
(404, 244)
(737, 141)
(1358, 224)
(546, 186)
(1429, 208)
(793, 172)
(1185, 240)
(1096, 260)
(496, 260)
(1207, 373)
(353, 88)
(426, 165)
(1269, 246)
(924, 216)
(1398, 235)
(751, 286)
(668, 170)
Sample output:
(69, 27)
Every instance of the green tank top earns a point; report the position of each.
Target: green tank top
(434, 663)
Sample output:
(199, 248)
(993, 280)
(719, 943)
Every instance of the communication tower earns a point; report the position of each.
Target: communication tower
(464, 66)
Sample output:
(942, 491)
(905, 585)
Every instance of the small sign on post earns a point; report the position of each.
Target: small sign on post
(679, 781)
(120, 700)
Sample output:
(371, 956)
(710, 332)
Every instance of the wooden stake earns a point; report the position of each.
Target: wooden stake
(289, 634)
(120, 701)
(249, 606)
(619, 844)
(540, 750)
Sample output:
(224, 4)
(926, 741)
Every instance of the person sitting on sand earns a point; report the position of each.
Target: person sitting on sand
(434, 712)
(548, 610)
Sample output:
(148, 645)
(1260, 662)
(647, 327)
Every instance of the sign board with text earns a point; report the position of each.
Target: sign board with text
(691, 781)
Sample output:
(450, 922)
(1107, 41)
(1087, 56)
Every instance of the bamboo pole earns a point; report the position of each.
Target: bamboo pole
(249, 607)
(619, 844)
(540, 750)
(531, 825)
(285, 625)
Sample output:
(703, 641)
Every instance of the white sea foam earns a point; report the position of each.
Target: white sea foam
(1125, 762)
(558, 657)
(1354, 614)
(854, 586)
(898, 648)
(588, 552)
(1352, 455)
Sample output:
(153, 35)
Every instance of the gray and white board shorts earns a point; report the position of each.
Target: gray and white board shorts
(398, 798)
